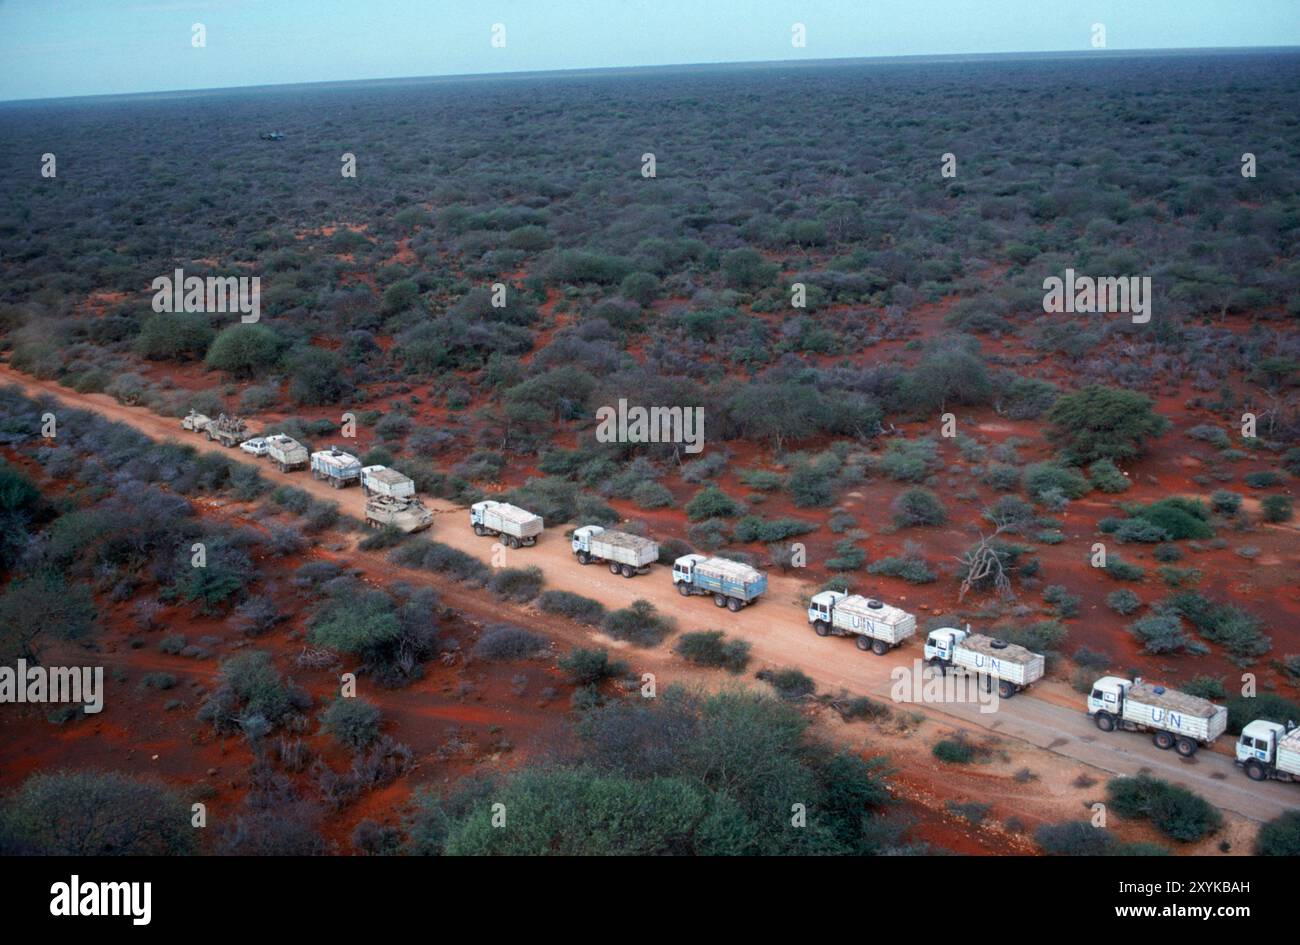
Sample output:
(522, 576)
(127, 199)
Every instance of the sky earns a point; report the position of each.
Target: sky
(53, 48)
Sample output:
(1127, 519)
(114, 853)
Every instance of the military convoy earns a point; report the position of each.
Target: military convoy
(1178, 720)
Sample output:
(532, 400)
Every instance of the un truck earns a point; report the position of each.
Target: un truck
(380, 480)
(1014, 667)
(626, 554)
(336, 467)
(228, 431)
(1269, 750)
(514, 525)
(1176, 719)
(732, 584)
(286, 452)
(405, 514)
(877, 626)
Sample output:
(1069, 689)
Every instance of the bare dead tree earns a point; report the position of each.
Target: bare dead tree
(983, 564)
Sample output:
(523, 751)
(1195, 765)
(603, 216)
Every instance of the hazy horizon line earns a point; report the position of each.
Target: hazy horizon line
(675, 66)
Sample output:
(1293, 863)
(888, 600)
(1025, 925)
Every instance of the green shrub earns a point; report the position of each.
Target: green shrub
(1123, 601)
(918, 507)
(1122, 570)
(712, 502)
(848, 556)
(1160, 632)
(1175, 811)
(517, 584)
(1280, 836)
(639, 624)
(791, 683)
(1276, 508)
(953, 751)
(353, 722)
(503, 642)
(1225, 502)
(571, 605)
(712, 648)
(590, 667)
(1106, 477)
(1042, 478)
(910, 568)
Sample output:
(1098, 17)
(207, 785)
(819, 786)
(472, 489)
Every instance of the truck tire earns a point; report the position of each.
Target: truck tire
(512, 541)
(627, 571)
(1185, 746)
(864, 643)
(880, 647)
(584, 559)
(478, 530)
(1005, 689)
(683, 588)
(719, 600)
(1163, 740)
(734, 605)
(613, 567)
(819, 626)
(1255, 770)
(1104, 721)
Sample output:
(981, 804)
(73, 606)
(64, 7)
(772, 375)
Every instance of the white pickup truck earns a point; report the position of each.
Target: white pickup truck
(1177, 719)
(1013, 666)
(626, 554)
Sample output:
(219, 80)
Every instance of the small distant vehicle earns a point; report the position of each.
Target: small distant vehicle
(1013, 666)
(626, 554)
(732, 584)
(195, 422)
(272, 136)
(286, 452)
(877, 626)
(257, 446)
(336, 467)
(518, 526)
(405, 514)
(1269, 750)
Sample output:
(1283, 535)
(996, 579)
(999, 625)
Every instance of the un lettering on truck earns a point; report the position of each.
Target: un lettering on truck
(1009, 661)
(1173, 711)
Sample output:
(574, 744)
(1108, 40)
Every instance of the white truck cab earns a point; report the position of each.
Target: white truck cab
(581, 540)
(1269, 750)
(940, 643)
(684, 568)
(821, 605)
(1108, 695)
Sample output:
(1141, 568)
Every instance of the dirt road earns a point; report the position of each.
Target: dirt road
(1052, 718)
